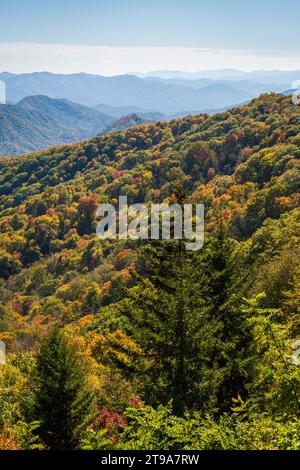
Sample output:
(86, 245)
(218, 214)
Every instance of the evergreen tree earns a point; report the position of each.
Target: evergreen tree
(169, 318)
(62, 400)
(188, 317)
(227, 285)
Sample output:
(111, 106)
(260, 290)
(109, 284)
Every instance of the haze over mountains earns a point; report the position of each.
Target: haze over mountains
(51, 109)
(38, 122)
(155, 94)
(261, 76)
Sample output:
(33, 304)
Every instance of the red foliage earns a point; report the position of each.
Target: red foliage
(31, 221)
(88, 205)
(233, 138)
(281, 138)
(7, 444)
(211, 172)
(109, 419)
(245, 153)
(135, 401)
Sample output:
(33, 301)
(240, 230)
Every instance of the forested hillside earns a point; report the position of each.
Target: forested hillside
(125, 122)
(37, 122)
(158, 347)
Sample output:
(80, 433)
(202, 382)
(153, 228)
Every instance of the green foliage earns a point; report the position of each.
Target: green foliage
(95, 440)
(276, 386)
(8, 265)
(26, 435)
(14, 388)
(158, 429)
(173, 327)
(189, 319)
(211, 332)
(228, 283)
(62, 400)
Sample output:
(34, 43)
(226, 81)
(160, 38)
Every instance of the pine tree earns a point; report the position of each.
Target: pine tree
(62, 399)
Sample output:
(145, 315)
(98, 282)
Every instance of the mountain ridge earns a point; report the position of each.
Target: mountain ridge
(38, 122)
(146, 94)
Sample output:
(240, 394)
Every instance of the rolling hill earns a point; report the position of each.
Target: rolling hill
(125, 122)
(38, 122)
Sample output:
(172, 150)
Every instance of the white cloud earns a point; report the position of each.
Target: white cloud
(64, 58)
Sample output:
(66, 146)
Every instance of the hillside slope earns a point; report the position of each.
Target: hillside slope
(37, 122)
(125, 122)
(145, 317)
(242, 163)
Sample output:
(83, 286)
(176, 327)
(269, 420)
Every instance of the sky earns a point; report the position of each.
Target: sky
(120, 36)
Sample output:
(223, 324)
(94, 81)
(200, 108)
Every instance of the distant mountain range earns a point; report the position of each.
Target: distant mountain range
(168, 93)
(53, 109)
(38, 122)
(261, 76)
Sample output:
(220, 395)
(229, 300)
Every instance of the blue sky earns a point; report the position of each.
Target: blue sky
(271, 26)
(233, 24)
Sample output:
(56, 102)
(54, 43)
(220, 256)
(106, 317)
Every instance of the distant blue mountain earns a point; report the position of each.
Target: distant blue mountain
(135, 94)
(260, 76)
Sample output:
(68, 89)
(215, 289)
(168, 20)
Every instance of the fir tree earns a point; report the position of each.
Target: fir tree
(170, 319)
(188, 317)
(228, 283)
(62, 400)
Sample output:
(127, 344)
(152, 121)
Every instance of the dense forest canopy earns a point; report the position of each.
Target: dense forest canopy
(177, 350)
